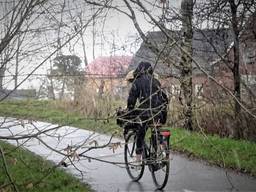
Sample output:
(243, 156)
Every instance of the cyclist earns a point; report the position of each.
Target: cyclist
(145, 89)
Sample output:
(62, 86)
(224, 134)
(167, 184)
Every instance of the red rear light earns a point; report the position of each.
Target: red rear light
(166, 133)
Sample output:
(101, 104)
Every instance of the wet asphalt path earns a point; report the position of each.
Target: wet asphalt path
(185, 175)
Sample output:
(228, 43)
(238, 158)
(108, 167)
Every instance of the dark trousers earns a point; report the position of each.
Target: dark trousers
(142, 129)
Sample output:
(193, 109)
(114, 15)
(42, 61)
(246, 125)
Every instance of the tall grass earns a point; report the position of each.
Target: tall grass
(219, 118)
(90, 104)
(216, 117)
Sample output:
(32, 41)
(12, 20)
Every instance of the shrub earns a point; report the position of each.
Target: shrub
(91, 105)
(220, 119)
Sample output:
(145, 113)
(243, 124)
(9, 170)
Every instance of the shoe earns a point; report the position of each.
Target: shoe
(136, 164)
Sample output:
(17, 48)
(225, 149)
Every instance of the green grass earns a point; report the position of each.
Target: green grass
(35, 110)
(51, 112)
(225, 152)
(31, 173)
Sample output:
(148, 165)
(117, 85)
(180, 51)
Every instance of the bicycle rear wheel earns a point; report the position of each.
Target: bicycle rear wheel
(161, 165)
(134, 170)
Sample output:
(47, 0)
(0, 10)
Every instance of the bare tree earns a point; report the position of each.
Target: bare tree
(23, 26)
(186, 61)
(13, 21)
(235, 16)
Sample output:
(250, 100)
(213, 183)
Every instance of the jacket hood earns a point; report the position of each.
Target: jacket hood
(143, 68)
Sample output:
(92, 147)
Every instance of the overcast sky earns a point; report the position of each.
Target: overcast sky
(115, 35)
(119, 30)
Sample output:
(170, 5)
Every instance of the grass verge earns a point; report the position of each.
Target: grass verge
(224, 152)
(31, 173)
(52, 112)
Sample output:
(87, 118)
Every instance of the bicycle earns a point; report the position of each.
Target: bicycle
(155, 155)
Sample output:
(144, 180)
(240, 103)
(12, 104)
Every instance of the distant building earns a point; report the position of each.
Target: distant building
(105, 75)
(221, 70)
(19, 94)
(208, 46)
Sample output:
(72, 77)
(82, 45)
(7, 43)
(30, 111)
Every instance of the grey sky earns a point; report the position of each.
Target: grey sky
(115, 34)
(119, 30)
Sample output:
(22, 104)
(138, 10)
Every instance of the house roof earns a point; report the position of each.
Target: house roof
(111, 66)
(207, 44)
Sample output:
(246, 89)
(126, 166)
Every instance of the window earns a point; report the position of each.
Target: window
(175, 89)
(198, 90)
(249, 55)
(249, 79)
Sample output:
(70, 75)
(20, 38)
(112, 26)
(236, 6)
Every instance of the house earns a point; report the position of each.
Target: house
(207, 45)
(221, 70)
(105, 75)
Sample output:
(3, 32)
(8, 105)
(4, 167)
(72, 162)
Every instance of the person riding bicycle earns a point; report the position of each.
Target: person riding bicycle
(145, 89)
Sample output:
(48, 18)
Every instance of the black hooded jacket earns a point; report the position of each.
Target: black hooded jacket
(144, 90)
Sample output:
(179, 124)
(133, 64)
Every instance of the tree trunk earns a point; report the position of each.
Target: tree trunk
(62, 88)
(17, 63)
(78, 84)
(51, 93)
(236, 73)
(1, 79)
(2, 71)
(186, 61)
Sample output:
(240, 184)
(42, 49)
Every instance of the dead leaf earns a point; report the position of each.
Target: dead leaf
(29, 186)
(72, 153)
(5, 189)
(75, 155)
(114, 146)
(13, 161)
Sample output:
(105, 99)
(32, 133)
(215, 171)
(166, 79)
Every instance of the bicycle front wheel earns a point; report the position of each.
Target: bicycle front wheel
(134, 169)
(161, 166)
